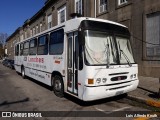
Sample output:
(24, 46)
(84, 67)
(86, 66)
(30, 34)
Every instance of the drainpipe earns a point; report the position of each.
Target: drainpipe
(95, 8)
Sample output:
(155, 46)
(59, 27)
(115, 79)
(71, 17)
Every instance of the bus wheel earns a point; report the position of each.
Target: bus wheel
(23, 73)
(58, 86)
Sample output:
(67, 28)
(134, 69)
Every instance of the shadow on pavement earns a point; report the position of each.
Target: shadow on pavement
(14, 102)
(96, 102)
(151, 94)
(147, 90)
(39, 83)
(154, 96)
(80, 102)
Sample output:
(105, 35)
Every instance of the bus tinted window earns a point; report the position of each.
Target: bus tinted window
(56, 42)
(17, 50)
(33, 47)
(26, 45)
(26, 48)
(21, 49)
(42, 41)
(43, 45)
(15, 53)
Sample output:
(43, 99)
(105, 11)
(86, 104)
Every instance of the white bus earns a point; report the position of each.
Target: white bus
(87, 58)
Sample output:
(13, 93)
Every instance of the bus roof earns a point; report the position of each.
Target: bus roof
(72, 25)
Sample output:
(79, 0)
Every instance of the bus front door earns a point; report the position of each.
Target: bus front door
(72, 70)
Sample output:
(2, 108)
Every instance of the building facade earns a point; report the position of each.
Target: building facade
(142, 17)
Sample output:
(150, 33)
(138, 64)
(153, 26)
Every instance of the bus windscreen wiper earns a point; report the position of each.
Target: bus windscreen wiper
(108, 55)
(127, 59)
(125, 56)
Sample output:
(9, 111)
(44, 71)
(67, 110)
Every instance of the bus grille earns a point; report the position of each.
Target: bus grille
(118, 78)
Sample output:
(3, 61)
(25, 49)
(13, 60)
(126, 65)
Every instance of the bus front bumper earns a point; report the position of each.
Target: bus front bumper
(100, 92)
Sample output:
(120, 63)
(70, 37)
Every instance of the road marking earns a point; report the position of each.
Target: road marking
(148, 118)
(153, 103)
(142, 118)
(120, 109)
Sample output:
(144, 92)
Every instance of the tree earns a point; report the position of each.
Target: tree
(3, 37)
(1, 51)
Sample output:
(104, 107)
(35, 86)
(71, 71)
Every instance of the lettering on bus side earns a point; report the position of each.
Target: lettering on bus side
(37, 75)
(36, 60)
(57, 59)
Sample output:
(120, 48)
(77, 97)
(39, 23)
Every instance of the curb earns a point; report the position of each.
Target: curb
(149, 102)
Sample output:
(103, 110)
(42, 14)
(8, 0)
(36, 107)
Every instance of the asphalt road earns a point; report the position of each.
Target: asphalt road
(17, 94)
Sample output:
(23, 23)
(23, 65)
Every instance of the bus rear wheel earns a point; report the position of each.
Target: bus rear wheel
(58, 87)
(23, 73)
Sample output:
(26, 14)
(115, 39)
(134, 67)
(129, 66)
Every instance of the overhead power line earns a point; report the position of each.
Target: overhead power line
(144, 41)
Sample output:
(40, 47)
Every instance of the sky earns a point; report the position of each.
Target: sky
(13, 13)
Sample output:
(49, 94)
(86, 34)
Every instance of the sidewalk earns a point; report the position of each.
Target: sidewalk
(147, 91)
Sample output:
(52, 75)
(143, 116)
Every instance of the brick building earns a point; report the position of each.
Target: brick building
(141, 16)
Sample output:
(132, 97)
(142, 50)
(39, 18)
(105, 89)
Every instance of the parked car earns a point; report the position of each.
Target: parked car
(11, 64)
(1, 60)
(5, 62)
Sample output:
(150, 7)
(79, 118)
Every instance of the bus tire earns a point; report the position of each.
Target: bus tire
(23, 73)
(58, 87)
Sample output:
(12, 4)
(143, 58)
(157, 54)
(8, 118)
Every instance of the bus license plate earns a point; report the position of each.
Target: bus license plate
(119, 92)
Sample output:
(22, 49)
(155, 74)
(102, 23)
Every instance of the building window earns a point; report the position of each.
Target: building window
(25, 35)
(31, 33)
(37, 31)
(22, 37)
(34, 31)
(78, 6)
(102, 6)
(62, 15)
(121, 2)
(49, 21)
(153, 35)
(41, 27)
(14, 42)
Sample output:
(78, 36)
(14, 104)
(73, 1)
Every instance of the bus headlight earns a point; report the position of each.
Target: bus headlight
(98, 80)
(104, 80)
(133, 76)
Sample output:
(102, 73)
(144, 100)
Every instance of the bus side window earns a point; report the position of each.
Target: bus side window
(42, 45)
(21, 49)
(26, 48)
(17, 50)
(33, 47)
(56, 42)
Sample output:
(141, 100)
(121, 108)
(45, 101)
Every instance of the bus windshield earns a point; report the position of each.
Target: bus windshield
(100, 49)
